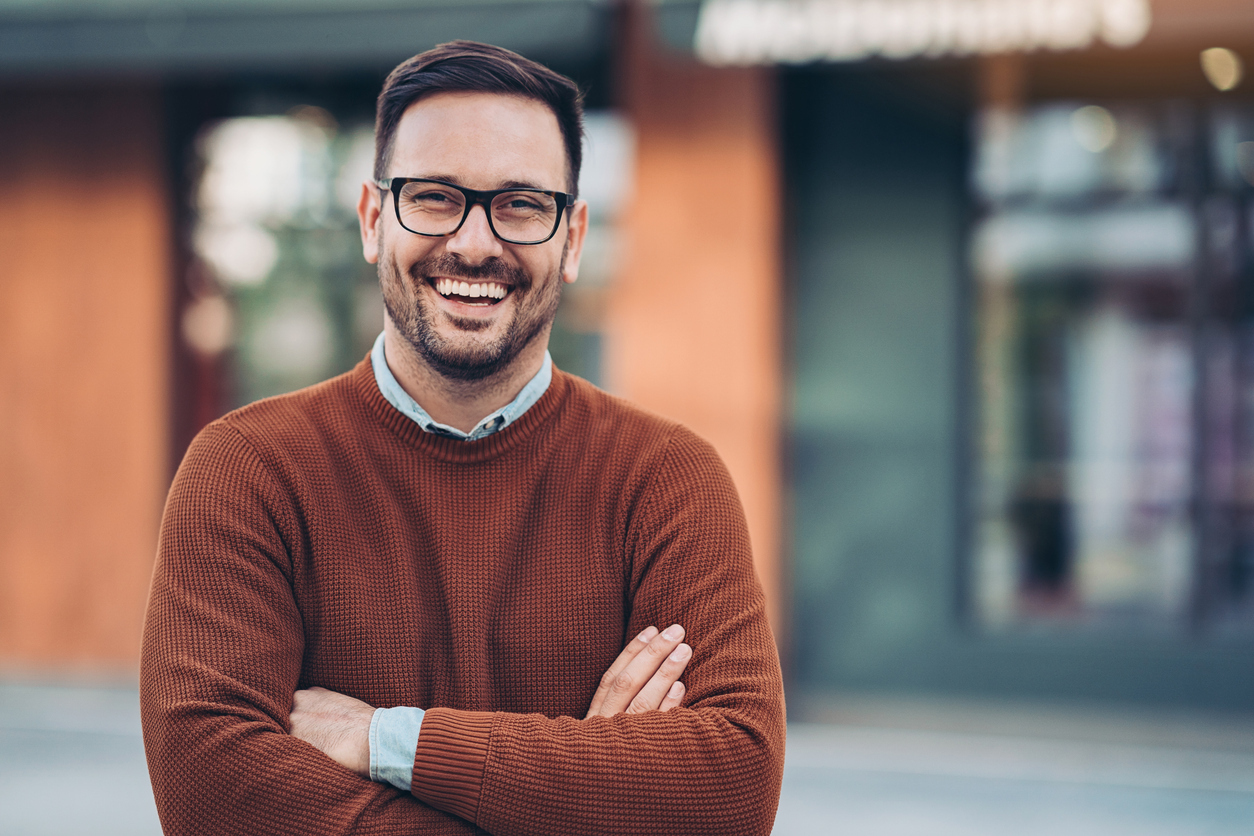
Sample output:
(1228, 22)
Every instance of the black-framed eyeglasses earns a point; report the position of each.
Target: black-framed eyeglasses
(437, 209)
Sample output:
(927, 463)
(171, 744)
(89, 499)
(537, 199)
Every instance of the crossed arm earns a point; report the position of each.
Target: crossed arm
(228, 643)
(644, 677)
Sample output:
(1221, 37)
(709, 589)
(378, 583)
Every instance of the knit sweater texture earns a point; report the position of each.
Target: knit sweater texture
(322, 538)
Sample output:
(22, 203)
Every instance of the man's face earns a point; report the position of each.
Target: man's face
(479, 141)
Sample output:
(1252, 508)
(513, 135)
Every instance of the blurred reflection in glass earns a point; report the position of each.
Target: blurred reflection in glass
(276, 228)
(1115, 385)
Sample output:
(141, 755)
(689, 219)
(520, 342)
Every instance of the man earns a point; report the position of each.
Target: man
(397, 602)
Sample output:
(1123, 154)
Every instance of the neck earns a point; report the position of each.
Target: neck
(459, 403)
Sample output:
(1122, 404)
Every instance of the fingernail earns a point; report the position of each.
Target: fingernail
(681, 653)
(676, 690)
(674, 632)
(647, 635)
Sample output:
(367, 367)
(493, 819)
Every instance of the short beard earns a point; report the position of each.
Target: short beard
(475, 363)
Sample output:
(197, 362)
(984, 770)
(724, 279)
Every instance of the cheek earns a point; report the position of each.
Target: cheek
(398, 259)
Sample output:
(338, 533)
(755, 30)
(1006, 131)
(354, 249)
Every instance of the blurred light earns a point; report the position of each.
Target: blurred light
(609, 161)
(1035, 245)
(1222, 67)
(1054, 150)
(241, 254)
(1245, 161)
(1093, 127)
(358, 167)
(208, 325)
(295, 338)
(797, 31)
(263, 169)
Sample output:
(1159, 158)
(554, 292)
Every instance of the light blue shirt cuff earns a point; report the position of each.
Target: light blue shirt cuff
(393, 744)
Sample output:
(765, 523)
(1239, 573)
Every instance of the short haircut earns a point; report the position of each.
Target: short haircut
(470, 67)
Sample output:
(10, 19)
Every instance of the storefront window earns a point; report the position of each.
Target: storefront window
(1114, 367)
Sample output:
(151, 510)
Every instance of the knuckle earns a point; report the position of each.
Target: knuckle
(607, 679)
(623, 683)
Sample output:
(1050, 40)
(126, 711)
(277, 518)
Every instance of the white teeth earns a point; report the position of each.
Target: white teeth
(492, 290)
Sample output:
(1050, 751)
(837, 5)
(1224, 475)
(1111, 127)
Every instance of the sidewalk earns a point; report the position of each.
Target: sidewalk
(71, 762)
(931, 768)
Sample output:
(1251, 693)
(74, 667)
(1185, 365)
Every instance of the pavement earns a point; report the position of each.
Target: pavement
(71, 762)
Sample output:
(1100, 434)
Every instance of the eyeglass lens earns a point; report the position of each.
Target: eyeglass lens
(435, 209)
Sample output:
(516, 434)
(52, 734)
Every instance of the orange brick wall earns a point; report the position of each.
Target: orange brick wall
(693, 325)
(84, 232)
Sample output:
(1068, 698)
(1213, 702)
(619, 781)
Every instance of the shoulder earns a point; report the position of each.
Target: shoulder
(631, 431)
(598, 412)
(324, 407)
(280, 429)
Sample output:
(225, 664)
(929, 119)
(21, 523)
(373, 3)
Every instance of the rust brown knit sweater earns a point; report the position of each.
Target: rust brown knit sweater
(322, 538)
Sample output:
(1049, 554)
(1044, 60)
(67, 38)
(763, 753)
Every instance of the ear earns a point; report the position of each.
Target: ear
(576, 232)
(369, 214)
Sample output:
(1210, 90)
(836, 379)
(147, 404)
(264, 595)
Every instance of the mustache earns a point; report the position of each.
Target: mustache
(447, 264)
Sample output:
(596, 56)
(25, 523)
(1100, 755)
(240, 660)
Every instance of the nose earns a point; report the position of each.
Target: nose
(474, 241)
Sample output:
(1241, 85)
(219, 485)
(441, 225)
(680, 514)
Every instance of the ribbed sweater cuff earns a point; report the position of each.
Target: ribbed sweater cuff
(448, 764)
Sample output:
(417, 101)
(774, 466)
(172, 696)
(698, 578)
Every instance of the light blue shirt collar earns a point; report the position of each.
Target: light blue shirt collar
(497, 421)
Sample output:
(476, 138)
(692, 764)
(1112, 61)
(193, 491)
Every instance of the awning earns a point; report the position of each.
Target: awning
(41, 37)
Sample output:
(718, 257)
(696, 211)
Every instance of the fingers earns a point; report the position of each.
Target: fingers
(661, 685)
(673, 697)
(630, 652)
(623, 688)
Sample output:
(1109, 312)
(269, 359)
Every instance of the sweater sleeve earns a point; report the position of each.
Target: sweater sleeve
(713, 765)
(221, 659)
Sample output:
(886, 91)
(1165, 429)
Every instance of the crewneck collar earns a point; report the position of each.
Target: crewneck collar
(531, 425)
(491, 423)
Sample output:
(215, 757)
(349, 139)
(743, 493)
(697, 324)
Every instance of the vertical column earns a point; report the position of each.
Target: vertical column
(83, 373)
(693, 323)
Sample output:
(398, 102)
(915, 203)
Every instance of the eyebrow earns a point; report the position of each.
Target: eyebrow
(508, 184)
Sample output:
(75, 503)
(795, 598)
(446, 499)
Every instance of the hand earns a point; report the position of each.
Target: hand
(338, 725)
(645, 676)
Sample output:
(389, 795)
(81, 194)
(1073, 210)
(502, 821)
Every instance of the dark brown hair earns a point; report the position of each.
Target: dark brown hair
(470, 67)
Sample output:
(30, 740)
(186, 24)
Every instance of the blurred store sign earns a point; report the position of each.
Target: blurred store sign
(797, 31)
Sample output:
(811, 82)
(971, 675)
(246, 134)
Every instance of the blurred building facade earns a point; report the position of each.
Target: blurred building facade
(962, 290)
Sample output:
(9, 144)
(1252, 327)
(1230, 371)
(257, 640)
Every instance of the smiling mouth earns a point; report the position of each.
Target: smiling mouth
(471, 293)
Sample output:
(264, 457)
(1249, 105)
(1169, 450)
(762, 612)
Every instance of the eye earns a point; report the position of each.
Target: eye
(520, 202)
(431, 197)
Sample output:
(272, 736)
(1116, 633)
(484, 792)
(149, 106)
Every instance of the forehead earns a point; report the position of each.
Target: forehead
(480, 140)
